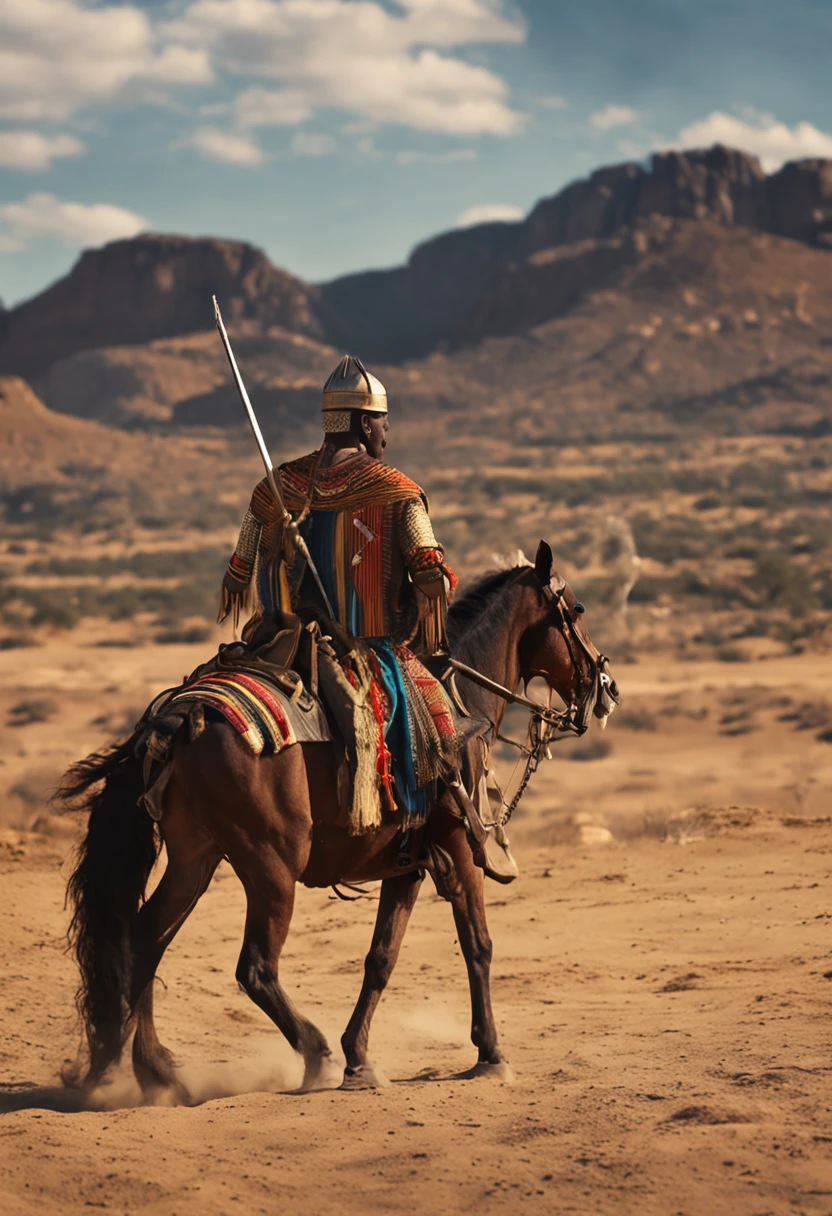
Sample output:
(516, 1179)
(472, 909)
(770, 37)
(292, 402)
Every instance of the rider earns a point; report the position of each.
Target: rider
(369, 535)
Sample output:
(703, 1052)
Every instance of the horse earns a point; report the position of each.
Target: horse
(274, 819)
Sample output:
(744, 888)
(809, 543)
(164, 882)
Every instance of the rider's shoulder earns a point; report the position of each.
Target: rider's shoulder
(301, 464)
(396, 480)
(358, 479)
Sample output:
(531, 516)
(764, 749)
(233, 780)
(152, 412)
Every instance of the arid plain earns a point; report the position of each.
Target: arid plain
(662, 985)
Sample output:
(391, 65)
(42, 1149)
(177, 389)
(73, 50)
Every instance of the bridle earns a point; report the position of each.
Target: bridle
(603, 683)
(545, 723)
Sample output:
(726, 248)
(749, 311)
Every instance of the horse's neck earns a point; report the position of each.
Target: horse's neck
(492, 647)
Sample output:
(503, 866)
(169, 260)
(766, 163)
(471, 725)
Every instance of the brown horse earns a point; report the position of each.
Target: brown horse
(273, 818)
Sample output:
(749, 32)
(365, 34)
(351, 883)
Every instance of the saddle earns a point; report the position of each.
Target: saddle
(291, 682)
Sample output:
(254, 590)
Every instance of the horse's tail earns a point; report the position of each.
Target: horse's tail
(105, 892)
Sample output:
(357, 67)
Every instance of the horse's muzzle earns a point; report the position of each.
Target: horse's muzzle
(607, 696)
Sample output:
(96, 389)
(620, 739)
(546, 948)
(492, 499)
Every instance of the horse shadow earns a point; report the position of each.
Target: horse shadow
(25, 1095)
(67, 1100)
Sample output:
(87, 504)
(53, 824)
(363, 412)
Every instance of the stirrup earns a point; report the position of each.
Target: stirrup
(497, 860)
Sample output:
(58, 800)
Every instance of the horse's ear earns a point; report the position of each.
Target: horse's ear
(543, 563)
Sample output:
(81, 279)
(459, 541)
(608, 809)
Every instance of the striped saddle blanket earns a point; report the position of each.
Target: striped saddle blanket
(266, 717)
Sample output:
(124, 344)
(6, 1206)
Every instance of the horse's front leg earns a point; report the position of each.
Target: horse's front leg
(464, 889)
(398, 895)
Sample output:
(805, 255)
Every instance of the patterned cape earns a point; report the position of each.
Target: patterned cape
(369, 533)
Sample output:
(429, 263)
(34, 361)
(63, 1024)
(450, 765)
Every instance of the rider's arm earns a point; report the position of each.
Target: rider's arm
(258, 523)
(424, 558)
(422, 552)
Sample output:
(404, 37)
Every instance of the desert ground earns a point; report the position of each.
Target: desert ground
(662, 981)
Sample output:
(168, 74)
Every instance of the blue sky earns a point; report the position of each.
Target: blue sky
(336, 134)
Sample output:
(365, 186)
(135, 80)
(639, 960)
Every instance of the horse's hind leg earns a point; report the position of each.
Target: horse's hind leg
(270, 892)
(396, 901)
(192, 859)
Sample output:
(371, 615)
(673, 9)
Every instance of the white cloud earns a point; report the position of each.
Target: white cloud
(760, 134)
(612, 116)
(58, 56)
(633, 149)
(311, 143)
(77, 224)
(359, 57)
(259, 107)
(365, 147)
(553, 102)
(224, 146)
(487, 213)
(31, 150)
(416, 157)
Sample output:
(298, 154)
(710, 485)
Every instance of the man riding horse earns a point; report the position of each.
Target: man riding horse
(376, 580)
(238, 762)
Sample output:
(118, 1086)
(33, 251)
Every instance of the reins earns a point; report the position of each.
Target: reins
(558, 720)
(544, 724)
(540, 737)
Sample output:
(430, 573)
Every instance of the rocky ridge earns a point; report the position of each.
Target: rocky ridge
(151, 287)
(407, 311)
(157, 286)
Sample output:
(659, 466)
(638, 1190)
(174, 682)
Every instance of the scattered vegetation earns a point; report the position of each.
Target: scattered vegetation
(731, 654)
(594, 747)
(636, 718)
(24, 713)
(15, 641)
(189, 635)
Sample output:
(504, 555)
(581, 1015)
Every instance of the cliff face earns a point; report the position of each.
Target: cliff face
(718, 184)
(461, 287)
(448, 288)
(136, 291)
(410, 310)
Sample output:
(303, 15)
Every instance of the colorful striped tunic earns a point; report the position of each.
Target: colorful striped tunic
(369, 534)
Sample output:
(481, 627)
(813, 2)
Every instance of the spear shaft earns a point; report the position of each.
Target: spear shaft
(288, 523)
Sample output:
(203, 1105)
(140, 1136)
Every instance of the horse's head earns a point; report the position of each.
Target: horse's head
(557, 647)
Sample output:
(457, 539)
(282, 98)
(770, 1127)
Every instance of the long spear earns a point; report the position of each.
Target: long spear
(288, 523)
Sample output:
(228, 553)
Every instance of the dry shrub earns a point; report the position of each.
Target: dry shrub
(37, 709)
(595, 748)
(636, 718)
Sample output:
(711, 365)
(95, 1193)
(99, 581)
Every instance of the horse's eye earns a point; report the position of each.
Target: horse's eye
(579, 609)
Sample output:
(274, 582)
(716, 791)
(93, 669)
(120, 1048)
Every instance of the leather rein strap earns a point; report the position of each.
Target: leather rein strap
(543, 724)
(554, 718)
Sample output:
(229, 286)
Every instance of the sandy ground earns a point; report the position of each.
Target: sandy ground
(662, 982)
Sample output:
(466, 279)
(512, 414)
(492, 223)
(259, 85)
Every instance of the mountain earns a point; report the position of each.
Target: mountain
(455, 289)
(408, 311)
(38, 444)
(689, 326)
(157, 286)
(183, 379)
(651, 345)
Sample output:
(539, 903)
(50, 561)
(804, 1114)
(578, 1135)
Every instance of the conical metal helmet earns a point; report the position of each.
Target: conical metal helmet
(352, 387)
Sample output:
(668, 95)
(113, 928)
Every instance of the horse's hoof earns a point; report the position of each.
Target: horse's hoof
(323, 1073)
(364, 1077)
(502, 1072)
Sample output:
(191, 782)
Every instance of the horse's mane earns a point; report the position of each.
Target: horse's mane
(465, 612)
